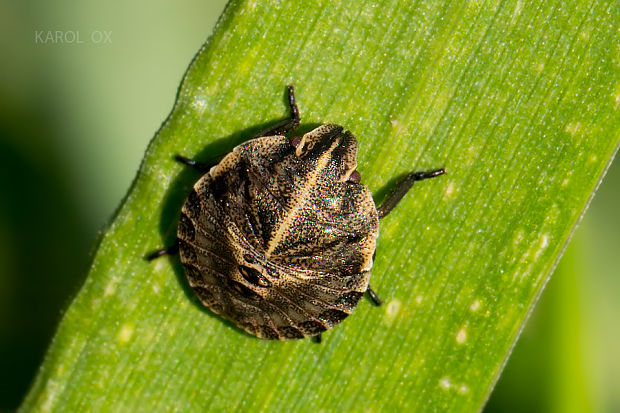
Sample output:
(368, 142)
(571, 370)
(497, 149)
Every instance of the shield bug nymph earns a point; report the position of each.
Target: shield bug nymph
(279, 236)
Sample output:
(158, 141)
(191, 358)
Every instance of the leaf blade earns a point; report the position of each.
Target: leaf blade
(465, 87)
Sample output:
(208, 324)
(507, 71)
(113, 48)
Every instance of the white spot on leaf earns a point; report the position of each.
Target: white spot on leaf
(572, 128)
(543, 243)
(110, 288)
(444, 383)
(50, 395)
(475, 306)
(449, 190)
(159, 265)
(392, 309)
(518, 238)
(517, 12)
(461, 336)
(199, 104)
(125, 333)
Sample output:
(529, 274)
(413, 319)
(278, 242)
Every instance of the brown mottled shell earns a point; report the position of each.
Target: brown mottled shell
(277, 239)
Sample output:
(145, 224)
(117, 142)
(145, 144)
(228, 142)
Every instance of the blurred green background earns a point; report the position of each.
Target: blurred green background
(75, 119)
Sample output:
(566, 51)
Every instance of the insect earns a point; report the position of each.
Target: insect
(279, 236)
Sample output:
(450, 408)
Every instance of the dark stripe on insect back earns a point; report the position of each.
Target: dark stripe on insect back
(267, 332)
(256, 178)
(266, 308)
(308, 246)
(289, 306)
(270, 162)
(345, 140)
(198, 274)
(336, 284)
(318, 322)
(234, 200)
(290, 332)
(312, 327)
(336, 258)
(312, 298)
(190, 216)
(269, 211)
(211, 247)
(204, 252)
(252, 225)
(244, 182)
(324, 143)
(186, 228)
(251, 198)
(341, 155)
(246, 292)
(219, 186)
(332, 317)
(254, 277)
(342, 299)
(192, 204)
(349, 300)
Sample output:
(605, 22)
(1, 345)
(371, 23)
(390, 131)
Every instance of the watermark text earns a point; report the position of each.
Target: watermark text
(72, 37)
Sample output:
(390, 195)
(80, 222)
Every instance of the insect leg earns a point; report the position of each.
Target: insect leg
(374, 297)
(199, 166)
(403, 187)
(285, 125)
(171, 250)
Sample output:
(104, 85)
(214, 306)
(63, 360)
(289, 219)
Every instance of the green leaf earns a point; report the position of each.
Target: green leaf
(518, 102)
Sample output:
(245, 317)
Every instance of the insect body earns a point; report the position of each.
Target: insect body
(279, 236)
